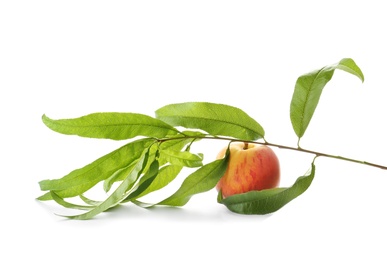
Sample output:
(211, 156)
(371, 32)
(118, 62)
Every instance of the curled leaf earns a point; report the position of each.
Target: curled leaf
(66, 204)
(145, 181)
(267, 201)
(202, 180)
(164, 176)
(308, 90)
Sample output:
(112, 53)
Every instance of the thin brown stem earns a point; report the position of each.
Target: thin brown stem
(298, 149)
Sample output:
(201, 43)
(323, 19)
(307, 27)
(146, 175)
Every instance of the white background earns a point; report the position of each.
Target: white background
(71, 58)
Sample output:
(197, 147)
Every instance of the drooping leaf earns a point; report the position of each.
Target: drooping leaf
(119, 175)
(80, 180)
(202, 180)
(116, 126)
(308, 90)
(89, 201)
(182, 158)
(120, 193)
(166, 174)
(350, 66)
(123, 172)
(145, 181)
(170, 153)
(267, 201)
(215, 119)
(177, 143)
(66, 204)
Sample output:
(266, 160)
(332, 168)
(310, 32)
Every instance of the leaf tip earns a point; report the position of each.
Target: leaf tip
(349, 65)
(45, 119)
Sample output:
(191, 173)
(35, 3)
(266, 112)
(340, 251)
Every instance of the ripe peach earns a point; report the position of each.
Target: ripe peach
(251, 167)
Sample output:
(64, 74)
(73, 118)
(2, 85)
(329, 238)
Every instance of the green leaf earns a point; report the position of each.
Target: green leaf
(80, 180)
(89, 201)
(308, 90)
(215, 119)
(267, 201)
(123, 172)
(182, 158)
(119, 175)
(202, 180)
(120, 193)
(66, 204)
(116, 126)
(182, 140)
(350, 66)
(145, 181)
(166, 174)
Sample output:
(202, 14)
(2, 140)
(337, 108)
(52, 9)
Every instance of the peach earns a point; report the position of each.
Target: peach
(251, 167)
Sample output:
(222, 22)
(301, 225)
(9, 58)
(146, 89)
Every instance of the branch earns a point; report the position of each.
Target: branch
(298, 149)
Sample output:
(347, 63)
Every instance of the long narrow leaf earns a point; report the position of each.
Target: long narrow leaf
(308, 90)
(182, 158)
(177, 143)
(123, 172)
(215, 119)
(80, 180)
(89, 201)
(66, 204)
(202, 180)
(165, 175)
(267, 201)
(145, 181)
(116, 126)
(118, 176)
(119, 194)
